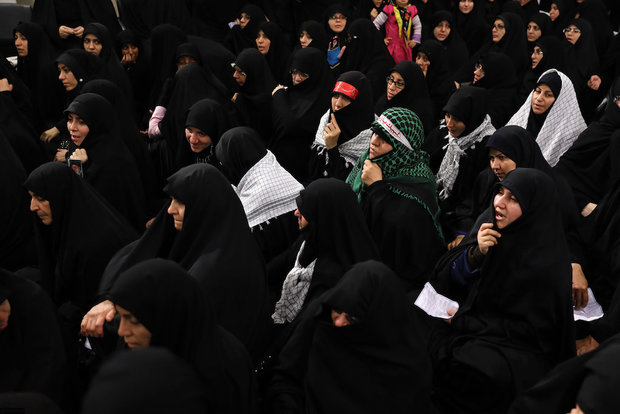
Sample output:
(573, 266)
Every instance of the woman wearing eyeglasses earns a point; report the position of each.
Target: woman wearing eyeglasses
(406, 88)
(582, 65)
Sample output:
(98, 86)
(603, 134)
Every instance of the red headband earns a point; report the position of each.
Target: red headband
(346, 89)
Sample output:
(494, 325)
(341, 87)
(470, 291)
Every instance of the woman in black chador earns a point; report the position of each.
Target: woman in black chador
(513, 283)
(355, 351)
(185, 325)
(210, 238)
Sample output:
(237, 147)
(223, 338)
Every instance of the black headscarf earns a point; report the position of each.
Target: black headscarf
(188, 328)
(494, 317)
(536, 121)
(137, 380)
(543, 21)
(472, 26)
(279, 50)
(85, 66)
(376, 364)
(72, 260)
(554, 57)
(32, 354)
(595, 12)
(208, 116)
(240, 38)
(582, 58)
(358, 115)
(164, 40)
(500, 82)
(139, 74)
(336, 41)
(414, 96)
(438, 79)
(190, 84)
(16, 247)
(142, 16)
(590, 165)
(317, 33)
(113, 65)
(456, 47)
(39, 73)
(215, 246)
(110, 168)
(561, 22)
(254, 100)
(239, 150)
(366, 52)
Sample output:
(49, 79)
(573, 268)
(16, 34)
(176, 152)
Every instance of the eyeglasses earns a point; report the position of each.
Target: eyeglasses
(499, 26)
(299, 73)
(338, 17)
(568, 30)
(538, 52)
(398, 83)
(238, 70)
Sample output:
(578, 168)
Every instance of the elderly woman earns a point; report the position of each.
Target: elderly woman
(397, 190)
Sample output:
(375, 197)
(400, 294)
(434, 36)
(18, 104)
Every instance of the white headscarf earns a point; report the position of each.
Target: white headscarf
(563, 124)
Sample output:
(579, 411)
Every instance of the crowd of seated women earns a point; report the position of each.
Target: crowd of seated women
(239, 208)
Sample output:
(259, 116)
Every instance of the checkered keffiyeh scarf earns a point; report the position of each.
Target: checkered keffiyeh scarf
(267, 190)
(350, 150)
(294, 290)
(563, 124)
(407, 161)
(455, 149)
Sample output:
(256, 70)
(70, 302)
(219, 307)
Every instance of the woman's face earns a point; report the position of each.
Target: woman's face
(533, 32)
(298, 76)
(304, 39)
(423, 62)
(177, 211)
(339, 101)
(133, 332)
(542, 99)
(554, 12)
(184, 61)
(442, 30)
(21, 44)
(507, 208)
(377, 3)
(240, 76)
(466, 6)
(262, 42)
(130, 50)
(478, 72)
(92, 44)
(537, 55)
(500, 163)
(41, 207)
(341, 319)
(337, 22)
(378, 147)
(66, 77)
(498, 31)
(572, 34)
(244, 19)
(395, 84)
(197, 138)
(301, 220)
(455, 125)
(77, 129)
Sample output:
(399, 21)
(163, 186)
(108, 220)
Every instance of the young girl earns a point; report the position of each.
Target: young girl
(403, 29)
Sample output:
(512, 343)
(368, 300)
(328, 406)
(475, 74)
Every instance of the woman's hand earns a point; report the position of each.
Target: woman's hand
(79, 154)
(60, 155)
(50, 134)
(580, 287)
(457, 240)
(331, 133)
(371, 173)
(92, 323)
(594, 82)
(5, 86)
(276, 89)
(487, 237)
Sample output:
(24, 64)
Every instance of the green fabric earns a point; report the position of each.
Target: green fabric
(401, 164)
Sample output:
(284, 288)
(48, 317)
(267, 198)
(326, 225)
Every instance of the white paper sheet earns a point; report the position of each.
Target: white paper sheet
(434, 304)
(591, 312)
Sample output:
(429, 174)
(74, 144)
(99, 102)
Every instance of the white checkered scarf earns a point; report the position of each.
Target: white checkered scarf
(563, 124)
(455, 149)
(294, 290)
(350, 150)
(267, 190)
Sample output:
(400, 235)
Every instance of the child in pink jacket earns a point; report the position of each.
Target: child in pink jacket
(403, 29)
